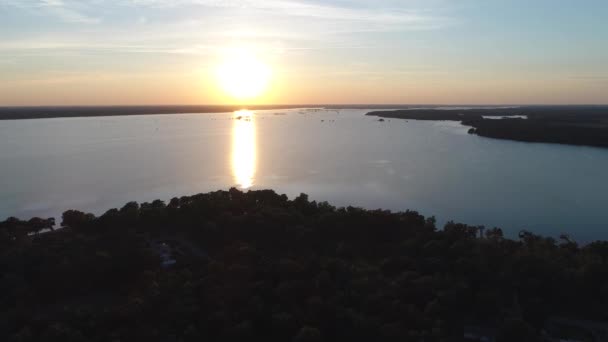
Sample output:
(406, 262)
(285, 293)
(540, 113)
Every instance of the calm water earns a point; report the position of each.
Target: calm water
(94, 164)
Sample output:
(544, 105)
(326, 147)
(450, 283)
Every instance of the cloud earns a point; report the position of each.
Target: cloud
(37, 48)
(7, 62)
(71, 12)
(196, 27)
(590, 78)
(393, 18)
(593, 79)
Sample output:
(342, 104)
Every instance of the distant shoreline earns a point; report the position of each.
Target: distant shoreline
(48, 112)
(23, 113)
(569, 125)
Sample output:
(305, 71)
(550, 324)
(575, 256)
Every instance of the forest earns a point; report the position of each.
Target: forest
(572, 125)
(238, 266)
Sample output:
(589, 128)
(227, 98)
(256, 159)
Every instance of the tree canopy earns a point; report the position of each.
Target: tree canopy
(258, 266)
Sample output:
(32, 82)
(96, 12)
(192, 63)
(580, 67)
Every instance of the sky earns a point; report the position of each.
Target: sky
(97, 52)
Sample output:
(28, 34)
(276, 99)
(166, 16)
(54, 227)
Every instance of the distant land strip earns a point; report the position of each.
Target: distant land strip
(571, 125)
(426, 110)
(48, 112)
(18, 113)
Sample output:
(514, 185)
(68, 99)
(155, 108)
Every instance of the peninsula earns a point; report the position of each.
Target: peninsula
(251, 266)
(572, 125)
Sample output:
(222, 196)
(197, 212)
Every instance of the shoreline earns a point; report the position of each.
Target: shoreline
(579, 126)
(48, 112)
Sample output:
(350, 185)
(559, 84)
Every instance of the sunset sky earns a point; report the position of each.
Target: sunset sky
(96, 52)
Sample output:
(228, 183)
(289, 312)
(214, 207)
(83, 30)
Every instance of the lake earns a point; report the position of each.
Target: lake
(340, 156)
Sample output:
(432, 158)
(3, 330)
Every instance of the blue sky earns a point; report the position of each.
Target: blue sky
(383, 51)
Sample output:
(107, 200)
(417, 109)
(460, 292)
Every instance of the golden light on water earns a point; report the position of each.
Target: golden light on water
(243, 149)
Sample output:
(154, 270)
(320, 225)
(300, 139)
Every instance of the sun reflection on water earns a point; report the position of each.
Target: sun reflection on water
(243, 149)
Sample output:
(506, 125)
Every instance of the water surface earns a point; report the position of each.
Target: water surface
(344, 157)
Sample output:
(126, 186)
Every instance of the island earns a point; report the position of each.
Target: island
(571, 125)
(257, 266)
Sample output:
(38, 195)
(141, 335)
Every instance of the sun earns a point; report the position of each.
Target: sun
(242, 76)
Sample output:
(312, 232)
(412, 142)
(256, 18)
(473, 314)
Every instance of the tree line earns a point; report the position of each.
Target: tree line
(277, 269)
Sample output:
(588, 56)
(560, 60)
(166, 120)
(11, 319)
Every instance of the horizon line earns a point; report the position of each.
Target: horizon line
(304, 105)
